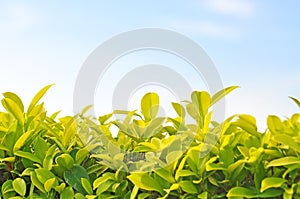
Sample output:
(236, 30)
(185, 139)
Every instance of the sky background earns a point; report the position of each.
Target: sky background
(254, 44)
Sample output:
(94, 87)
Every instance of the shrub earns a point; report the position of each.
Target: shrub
(43, 156)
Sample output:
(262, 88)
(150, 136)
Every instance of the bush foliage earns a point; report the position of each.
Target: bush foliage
(44, 156)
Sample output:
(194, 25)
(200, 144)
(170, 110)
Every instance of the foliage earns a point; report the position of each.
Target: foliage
(43, 156)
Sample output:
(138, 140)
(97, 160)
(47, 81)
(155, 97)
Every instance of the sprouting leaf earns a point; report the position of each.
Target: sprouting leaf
(274, 124)
(19, 186)
(202, 100)
(271, 182)
(150, 106)
(22, 140)
(37, 98)
(179, 109)
(14, 109)
(14, 98)
(220, 94)
(296, 101)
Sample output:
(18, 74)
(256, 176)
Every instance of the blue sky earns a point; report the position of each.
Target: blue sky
(254, 44)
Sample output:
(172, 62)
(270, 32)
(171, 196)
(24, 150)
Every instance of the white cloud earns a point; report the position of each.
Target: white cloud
(239, 8)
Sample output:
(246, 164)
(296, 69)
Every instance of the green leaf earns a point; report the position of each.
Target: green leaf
(81, 155)
(28, 156)
(188, 187)
(37, 98)
(296, 101)
(67, 193)
(48, 160)
(15, 98)
(43, 175)
(222, 93)
(150, 106)
(73, 177)
(65, 161)
(35, 181)
(165, 174)
(22, 140)
(7, 189)
(87, 186)
(79, 196)
(146, 182)
(284, 161)
(104, 186)
(271, 182)
(14, 109)
(19, 186)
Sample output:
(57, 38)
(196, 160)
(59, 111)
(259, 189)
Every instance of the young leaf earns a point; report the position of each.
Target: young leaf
(150, 105)
(179, 109)
(220, 94)
(14, 109)
(15, 98)
(22, 140)
(202, 100)
(37, 98)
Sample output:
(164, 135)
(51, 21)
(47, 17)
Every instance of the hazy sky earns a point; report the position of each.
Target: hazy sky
(254, 44)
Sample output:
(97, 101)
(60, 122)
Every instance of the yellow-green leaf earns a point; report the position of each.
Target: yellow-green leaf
(284, 161)
(22, 140)
(49, 184)
(271, 182)
(19, 186)
(15, 98)
(150, 105)
(87, 186)
(14, 109)
(37, 98)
